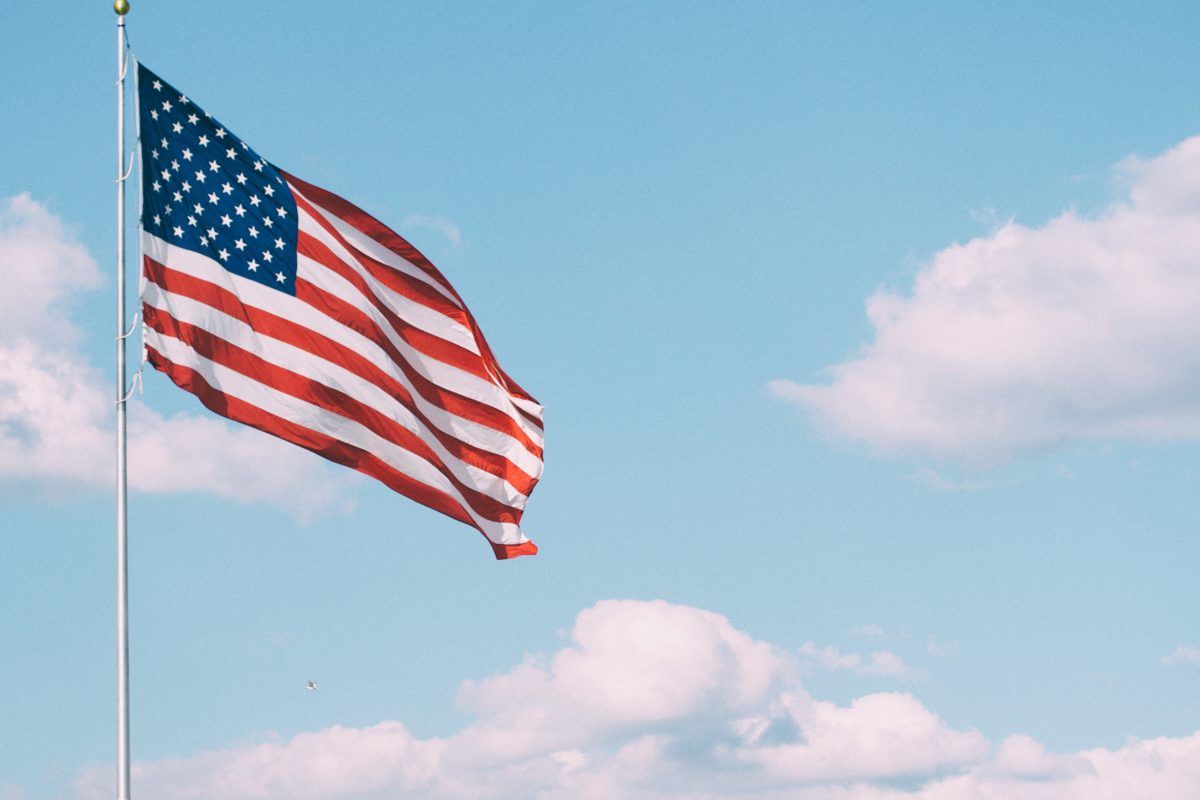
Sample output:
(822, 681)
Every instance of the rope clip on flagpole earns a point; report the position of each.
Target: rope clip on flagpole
(125, 177)
(132, 326)
(134, 385)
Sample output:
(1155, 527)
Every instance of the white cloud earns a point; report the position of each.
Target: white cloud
(1183, 654)
(880, 662)
(43, 267)
(436, 224)
(52, 409)
(332, 763)
(939, 649)
(187, 453)
(1024, 757)
(1165, 769)
(879, 736)
(1031, 338)
(56, 410)
(654, 701)
(631, 665)
(935, 480)
(871, 630)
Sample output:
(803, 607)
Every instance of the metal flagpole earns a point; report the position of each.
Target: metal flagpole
(122, 8)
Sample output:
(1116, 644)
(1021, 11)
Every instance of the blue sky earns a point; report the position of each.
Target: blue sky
(670, 221)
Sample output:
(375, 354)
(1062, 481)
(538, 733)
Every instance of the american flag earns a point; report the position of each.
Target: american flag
(282, 306)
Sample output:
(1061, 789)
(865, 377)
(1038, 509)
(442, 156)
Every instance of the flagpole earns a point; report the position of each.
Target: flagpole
(121, 7)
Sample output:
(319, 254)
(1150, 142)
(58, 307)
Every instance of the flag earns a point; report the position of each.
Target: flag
(282, 306)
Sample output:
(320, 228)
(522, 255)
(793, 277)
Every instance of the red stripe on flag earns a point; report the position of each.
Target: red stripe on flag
(505, 551)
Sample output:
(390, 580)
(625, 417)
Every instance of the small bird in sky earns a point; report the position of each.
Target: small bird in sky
(312, 686)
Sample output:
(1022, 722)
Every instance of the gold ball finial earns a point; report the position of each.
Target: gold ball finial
(121, 7)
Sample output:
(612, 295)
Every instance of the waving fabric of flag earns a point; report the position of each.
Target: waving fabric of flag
(282, 306)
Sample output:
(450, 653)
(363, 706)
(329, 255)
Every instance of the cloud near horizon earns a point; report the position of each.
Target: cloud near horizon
(656, 701)
(1032, 338)
(56, 410)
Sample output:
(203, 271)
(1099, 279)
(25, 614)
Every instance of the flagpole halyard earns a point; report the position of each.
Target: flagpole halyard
(121, 7)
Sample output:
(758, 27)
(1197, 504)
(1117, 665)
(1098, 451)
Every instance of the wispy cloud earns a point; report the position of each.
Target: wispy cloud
(1183, 655)
(437, 224)
(879, 662)
(871, 631)
(927, 476)
(654, 701)
(1030, 338)
(939, 649)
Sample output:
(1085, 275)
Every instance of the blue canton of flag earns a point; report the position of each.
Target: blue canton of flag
(206, 190)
